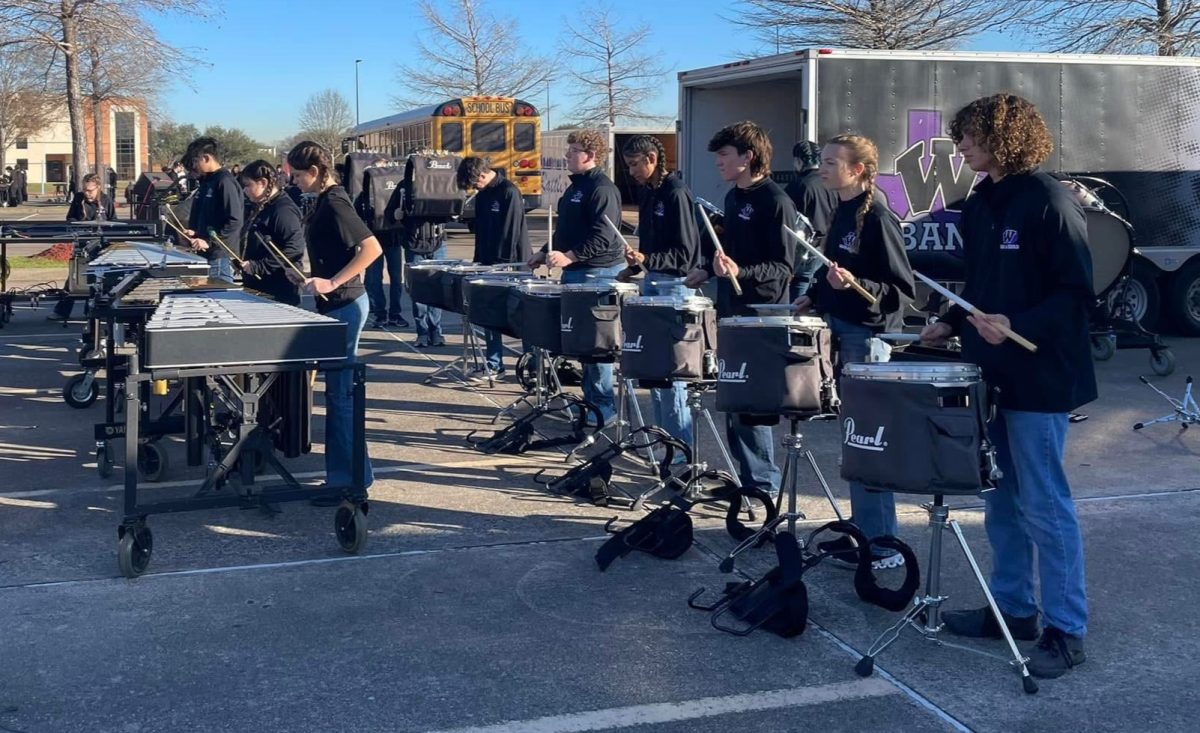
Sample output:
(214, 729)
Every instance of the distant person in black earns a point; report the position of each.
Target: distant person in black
(816, 203)
(584, 246)
(668, 249)
(866, 246)
(112, 182)
(501, 235)
(218, 207)
(1029, 269)
(274, 218)
(759, 255)
(340, 246)
(90, 204)
(386, 307)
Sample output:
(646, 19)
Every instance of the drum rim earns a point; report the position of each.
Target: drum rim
(809, 321)
(600, 287)
(917, 372)
(676, 301)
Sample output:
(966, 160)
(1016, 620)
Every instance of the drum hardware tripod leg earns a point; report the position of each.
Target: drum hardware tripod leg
(546, 386)
(794, 443)
(1187, 412)
(470, 356)
(925, 614)
(623, 428)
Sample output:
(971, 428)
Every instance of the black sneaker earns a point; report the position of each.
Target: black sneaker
(398, 322)
(378, 322)
(979, 623)
(1055, 654)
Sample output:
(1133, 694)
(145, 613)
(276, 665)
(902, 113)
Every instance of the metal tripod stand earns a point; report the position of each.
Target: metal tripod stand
(691, 482)
(925, 615)
(796, 452)
(470, 359)
(628, 421)
(1186, 411)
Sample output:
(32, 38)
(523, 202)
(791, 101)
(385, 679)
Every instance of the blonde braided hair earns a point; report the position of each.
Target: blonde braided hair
(862, 150)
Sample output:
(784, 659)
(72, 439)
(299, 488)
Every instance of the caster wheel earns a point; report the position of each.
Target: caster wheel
(152, 461)
(1029, 684)
(133, 550)
(81, 391)
(1103, 347)
(1162, 362)
(865, 667)
(526, 372)
(350, 526)
(104, 461)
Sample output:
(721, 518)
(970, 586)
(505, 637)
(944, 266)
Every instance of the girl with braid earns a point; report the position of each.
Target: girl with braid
(668, 249)
(865, 245)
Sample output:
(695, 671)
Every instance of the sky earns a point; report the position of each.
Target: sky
(265, 57)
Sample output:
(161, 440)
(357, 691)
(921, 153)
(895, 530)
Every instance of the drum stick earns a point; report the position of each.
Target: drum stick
(829, 263)
(284, 260)
(962, 303)
(737, 288)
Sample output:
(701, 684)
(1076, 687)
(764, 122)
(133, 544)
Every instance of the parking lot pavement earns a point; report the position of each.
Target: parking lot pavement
(476, 604)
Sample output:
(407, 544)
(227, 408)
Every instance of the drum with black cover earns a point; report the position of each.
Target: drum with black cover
(775, 365)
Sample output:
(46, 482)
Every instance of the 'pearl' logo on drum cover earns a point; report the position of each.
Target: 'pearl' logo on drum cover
(738, 377)
(634, 347)
(864, 442)
(566, 326)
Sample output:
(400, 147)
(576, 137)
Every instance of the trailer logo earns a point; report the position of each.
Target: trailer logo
(930, 182)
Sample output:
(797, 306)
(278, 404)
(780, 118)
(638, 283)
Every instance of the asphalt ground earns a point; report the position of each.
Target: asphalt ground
(476, 603)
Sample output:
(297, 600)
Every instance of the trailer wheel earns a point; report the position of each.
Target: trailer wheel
(1104, 347)
(1137, 299)
(1162, 362)
(1183, 298)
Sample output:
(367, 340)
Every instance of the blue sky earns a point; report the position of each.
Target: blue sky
(265, 58)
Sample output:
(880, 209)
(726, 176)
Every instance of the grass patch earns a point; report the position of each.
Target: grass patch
(34, 263)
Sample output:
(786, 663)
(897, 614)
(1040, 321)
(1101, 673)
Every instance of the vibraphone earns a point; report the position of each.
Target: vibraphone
(103, 274)
(251, 357)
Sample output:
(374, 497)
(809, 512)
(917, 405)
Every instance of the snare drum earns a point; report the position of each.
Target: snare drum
(915, 427)
(486, 300)
(454, 281)
(591, 319)
(775, 365)
(666, 338)
(424, 281)
(540, 315)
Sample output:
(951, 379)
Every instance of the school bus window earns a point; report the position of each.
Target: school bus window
(524, 137)
(452, 137)
(488, 137)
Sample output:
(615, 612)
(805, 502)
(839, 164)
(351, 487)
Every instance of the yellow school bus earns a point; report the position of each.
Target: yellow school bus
(505, 129)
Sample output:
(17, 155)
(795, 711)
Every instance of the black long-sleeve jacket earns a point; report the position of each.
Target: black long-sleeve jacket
(220, 206)
(1025, 241)
(581, 226)
(812, 199)
(878, 262)
(668, 233)
(501, 234)
(279, 221)
(101, 209)
(755, 240)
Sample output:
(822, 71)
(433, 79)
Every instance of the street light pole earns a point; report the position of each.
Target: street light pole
(356, 63)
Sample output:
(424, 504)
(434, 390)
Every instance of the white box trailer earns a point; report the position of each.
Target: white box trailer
(1130, 120)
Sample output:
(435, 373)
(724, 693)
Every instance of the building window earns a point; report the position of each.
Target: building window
(22, 143)
(23, 163)
(126, 124)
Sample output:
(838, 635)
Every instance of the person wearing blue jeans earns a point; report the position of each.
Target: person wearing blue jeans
(386, 305)
(866, 246)
(218, 209)
(340, 246)
(1029, 271)
(585, 245)
(425, 240)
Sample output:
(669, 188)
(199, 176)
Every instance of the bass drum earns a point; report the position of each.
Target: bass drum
(1110, 242)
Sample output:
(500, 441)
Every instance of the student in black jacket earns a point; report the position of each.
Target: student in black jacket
(1028, 268)
(273, 218)
(668, 249)
(386, 306)
(424, 239)
(866, 246)
(584, 245)
(815, 202)
(218, 207)
(759, 255)
(501, 234)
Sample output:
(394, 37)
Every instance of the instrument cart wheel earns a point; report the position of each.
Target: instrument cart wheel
(1103, 347)
(81, 390)
(526, 368)
(134, 546)
(152, 461)
(350, 526)
(104, 461)
(1162, 362)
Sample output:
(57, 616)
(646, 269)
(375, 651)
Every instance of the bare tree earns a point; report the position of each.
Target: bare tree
(888, 24)
(58, 24)
(326, 118)
(613, 76)
(1159, 27)
(469, 52)
(26, 108)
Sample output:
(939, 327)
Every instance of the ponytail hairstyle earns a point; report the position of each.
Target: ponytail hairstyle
(862, 150)
(308, 154)
(644, 145)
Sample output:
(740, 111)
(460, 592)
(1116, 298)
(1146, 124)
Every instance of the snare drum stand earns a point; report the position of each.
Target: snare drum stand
(925, 615)
(691, 483)
(623, 427)
(794, 443)
(463, 363)
(546, 385)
